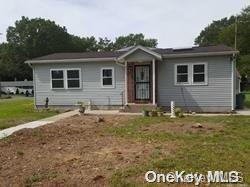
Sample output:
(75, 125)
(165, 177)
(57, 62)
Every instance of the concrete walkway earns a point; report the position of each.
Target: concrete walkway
(109, 112)
(41, 122)
(116, 112)
(6, 132)
(243, 112)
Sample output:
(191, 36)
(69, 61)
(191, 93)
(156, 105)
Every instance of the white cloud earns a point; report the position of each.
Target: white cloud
(172, 22)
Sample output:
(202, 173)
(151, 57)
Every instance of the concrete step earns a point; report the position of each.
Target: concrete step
(138, 107)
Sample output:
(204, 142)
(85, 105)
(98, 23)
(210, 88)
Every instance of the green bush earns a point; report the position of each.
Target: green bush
(179, 112)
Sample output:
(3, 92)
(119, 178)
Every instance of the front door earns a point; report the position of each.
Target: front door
(142, 82)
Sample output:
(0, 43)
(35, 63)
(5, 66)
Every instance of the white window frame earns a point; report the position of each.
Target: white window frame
(65, 79)
(205, 73)
(80, 78)
(113, 77)
(51, 85)
(188, 73)
(191, 73)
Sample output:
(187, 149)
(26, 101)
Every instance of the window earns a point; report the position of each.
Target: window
(73, 78)
(65, 79)
(191, 74)
(198, 73)
(57, 79)
(107, 77)
(182, 74)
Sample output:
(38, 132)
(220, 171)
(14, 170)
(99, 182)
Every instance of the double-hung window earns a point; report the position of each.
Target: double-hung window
(65, 78)
(107, 77)
(182, 74)
(191, 74)
(57, 79)
(73, 78)
(199, 74)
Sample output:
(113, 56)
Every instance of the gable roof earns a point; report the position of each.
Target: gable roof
(145, 49)
(115, 55)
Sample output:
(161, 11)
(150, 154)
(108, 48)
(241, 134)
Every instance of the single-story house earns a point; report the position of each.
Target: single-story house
(10, 87)
(201, 79)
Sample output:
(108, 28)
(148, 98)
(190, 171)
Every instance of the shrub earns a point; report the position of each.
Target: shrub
(179, 112)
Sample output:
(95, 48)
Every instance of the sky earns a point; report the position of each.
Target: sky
(175, 23)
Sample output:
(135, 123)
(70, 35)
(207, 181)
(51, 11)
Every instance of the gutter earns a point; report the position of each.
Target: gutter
(200, 54)
(70, 60)
(108, 59)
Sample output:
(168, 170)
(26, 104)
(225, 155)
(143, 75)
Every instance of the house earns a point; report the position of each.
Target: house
(12, 86)
(201, 79)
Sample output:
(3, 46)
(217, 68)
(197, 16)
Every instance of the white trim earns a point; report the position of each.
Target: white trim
(34, 85)
(120, 58)
(64, 85)
(80, 78)
(65, 78)
(190, 74)
(199, 54)
(126, 84)
(233, 85)
(113, 77)
(70, 60)
(153, 69)
(156, 55)
(205, 74)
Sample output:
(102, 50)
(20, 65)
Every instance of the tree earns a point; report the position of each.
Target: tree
(30, 38)
(104, 44)
(133, 40)
(223, 32)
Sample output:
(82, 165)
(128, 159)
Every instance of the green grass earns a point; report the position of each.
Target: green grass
(20, 110)
(247, 99)
(227, 149)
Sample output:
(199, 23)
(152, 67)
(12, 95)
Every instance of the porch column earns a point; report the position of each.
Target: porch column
(126, 84)
(153, 69)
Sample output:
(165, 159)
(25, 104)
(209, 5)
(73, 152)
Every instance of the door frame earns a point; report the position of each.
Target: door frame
(150, 82)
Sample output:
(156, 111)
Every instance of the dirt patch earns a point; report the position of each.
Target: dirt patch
(70, 152)
(188, 127)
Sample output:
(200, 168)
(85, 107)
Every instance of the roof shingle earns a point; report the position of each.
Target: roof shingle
(114, 54)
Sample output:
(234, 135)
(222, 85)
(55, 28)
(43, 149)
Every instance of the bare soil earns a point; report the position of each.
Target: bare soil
(184, 127)
(76, 151)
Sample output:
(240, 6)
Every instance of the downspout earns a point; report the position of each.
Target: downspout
(233, 82)
(34, 84)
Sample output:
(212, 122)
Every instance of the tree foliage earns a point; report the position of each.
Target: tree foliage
(133, 40)
(223, 32)
(30, 38)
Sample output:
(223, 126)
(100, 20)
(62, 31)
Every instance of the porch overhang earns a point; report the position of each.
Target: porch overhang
(146, 50)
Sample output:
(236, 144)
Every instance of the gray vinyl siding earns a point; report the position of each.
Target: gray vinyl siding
(217, 93)
(91, 85)
(139, 56)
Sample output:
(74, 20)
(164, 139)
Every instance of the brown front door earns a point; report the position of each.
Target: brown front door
(142, 82)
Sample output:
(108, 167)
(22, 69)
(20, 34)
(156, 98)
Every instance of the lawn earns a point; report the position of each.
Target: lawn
(19, 110)
(223, 145)
(247, 99)
(121, 149)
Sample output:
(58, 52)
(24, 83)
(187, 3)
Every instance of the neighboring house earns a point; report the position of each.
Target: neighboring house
(201, 79)
(11, 87)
